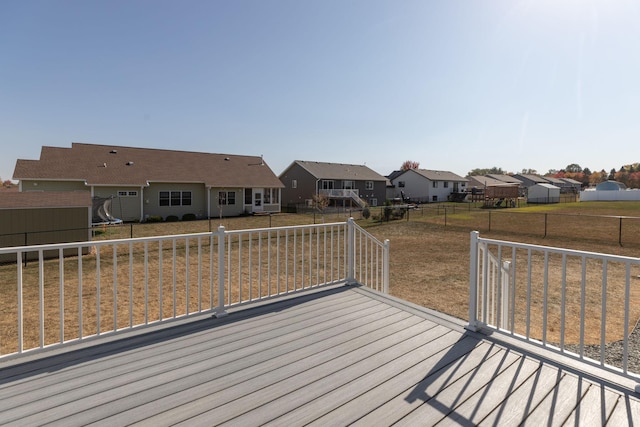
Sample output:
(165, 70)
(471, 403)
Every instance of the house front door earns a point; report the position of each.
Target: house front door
(257, 200)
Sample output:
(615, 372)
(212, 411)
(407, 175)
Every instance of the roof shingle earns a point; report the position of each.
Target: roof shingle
(115, 165)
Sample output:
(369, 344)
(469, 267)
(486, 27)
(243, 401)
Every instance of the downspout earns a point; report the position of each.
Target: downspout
(141, 203)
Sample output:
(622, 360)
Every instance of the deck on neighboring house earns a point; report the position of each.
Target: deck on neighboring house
(340, 356)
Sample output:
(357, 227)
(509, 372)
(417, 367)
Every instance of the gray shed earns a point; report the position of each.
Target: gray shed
(543, 193)
(35, 218)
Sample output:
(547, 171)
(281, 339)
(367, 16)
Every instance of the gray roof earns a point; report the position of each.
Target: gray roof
(487, 181)
(433, 175)
(505, 178)
(570, 181)
(323, 170)
(555, 181)
(533, 178)
(115, 165)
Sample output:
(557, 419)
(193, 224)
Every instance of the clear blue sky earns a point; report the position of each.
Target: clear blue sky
(452, 84)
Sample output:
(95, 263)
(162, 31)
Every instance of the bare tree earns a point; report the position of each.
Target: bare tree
(320, 201)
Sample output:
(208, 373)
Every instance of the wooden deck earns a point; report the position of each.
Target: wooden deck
(341, 356)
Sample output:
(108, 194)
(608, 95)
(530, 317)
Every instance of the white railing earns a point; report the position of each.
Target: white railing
(345, 194)
(581, 304)
(59, 294)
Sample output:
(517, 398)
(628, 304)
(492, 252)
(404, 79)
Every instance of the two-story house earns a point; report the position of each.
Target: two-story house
(345, 185)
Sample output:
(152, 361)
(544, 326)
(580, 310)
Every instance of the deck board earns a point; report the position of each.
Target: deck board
(340, 356)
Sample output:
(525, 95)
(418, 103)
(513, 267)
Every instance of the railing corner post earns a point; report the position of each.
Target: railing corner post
(473, 282)
(385, 267)
(351, 244)
(220, 311)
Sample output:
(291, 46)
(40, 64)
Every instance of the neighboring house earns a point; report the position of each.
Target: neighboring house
(147, 182)
(478, 183)
(571, 185)
(425, 186)
(510, 179)
(345, 185)
(530, 180)
(492, 188)
(566, 185)
(556, 181)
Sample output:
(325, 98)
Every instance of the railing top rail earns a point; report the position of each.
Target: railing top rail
(72, 245)
(284, 227)
(75, 245)
(610, 257)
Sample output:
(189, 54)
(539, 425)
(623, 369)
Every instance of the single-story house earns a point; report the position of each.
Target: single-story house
(510, 179)
(492, 188)
(345, 185)
(529, 180)
(425, 186)
(543, 193)
(571, 185)
(145, 182)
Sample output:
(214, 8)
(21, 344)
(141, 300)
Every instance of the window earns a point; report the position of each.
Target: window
(326, 185)
(373, 201)
(435, 184)
(127, 194)
(446, 184)
(348, 185)
(294, 183)
(368, 185)
(434, 198)
(174, 198)
(400, 183)
(226, 198)
(271, 196)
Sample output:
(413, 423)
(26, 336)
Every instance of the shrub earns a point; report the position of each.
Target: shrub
(189, 217)
(366, 213)
(172, 218)
(153, 218)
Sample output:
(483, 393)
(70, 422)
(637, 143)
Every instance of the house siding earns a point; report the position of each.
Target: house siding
(151, 201)
(228, 210)
(125, 208)
(306, 186)
(309, 184)
(419, 188)
(46, 185)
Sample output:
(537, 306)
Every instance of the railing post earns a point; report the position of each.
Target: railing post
(473, 283)
(220, 311)
(351, 244)
(385, 267)
(505, 281)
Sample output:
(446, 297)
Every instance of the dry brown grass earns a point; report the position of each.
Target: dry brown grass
(429, 267)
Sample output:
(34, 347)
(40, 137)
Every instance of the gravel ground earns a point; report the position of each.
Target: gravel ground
(614, 351)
